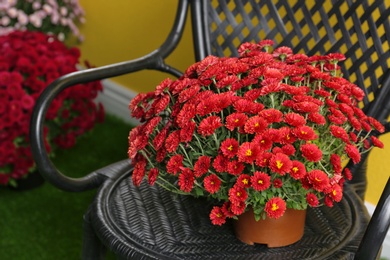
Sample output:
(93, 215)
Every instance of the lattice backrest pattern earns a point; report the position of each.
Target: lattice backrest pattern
(360, 29)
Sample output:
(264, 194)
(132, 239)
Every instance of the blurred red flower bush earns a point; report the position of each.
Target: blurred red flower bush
(29, 61)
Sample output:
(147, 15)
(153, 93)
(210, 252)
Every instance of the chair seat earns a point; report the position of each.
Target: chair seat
(148, 222)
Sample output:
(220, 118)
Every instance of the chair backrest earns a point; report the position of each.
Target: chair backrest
(358, 29)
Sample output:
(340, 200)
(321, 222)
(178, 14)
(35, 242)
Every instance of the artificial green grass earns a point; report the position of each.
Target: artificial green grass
(47, 223)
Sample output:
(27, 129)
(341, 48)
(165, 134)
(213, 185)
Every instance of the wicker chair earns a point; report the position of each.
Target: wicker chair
(150, 223)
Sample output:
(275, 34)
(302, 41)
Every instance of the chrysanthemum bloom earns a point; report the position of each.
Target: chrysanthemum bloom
(336, 192)
(172, 141)
(244, 180)
(227, 209)
(263, 141)
(304, 133)
(339, 132)
(347, 174)
(271, 115)
(208, 125)
(376, 142)
(263, 159)
(280, 163)
(202, 165)
(311, 152)
(294, 119)
(212, 183)
(237, 194)
(229, 147)
(220, 163)
(260, 181)
(275, 207)
(235, 167)
(248, 152)
(186, 180)
(235, 120)
(255, 124)
(138, 172)
(152, 176)
(353, 153)
(336, 163)
(288, 149)
(312, 199)
(277, 183)
(174, 164)
(298, 170)
(238, 208)
(318, 179)
(217, 217)
(186, 114)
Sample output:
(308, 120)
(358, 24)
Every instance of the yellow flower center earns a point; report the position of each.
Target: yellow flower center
(230, 148)
(334, 192)
(304, 132)
(245, 181)
(279, 164)
(262, 141)
(275, 207)
(317, 180)
(235, 121)
(238, 194)
(219, 215)
(248, 152)
(295, 169)
(257, 124)
(260, 182)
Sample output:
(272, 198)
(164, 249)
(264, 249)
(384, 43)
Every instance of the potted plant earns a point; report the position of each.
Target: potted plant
(261, 133)
(29, 61)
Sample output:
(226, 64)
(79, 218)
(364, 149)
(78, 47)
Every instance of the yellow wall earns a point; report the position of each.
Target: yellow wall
(126, 29)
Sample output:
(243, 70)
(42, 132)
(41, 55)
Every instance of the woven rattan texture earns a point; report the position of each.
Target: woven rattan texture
(358, 29)
(154, 222)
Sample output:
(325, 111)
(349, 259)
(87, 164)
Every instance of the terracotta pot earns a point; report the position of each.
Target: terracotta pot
(284, 231)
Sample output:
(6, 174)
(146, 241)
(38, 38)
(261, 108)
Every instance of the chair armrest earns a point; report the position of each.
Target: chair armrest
(153, 60)
(377, 228)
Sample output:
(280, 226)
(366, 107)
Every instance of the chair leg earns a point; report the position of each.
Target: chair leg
(93, 249)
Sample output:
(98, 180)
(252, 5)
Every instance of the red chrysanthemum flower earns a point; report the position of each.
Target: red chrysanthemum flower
(220, 163)
(235, 120)
(376, 124)
(217, 217)
(229, 147)
(353, 153)
(238, 208)
(286, 136)
(280, 163)
(288, 149)
(202, 165)
(304, 133)
(255, 124)
(277, 183)
(248, 152)
(312, 199)
(335, 160)
(275, 207)
(172, 141)
(311, 152)
(263, 159)
(306, 107)
(317, 118)
(244, 180)
(294, 119)
(227, 209)
(298, 170)
(159, 139)
(186, 180)
(237, 194)
(187, 132)
(138, 172)
(263, 141)
(152, 176)
(174, 164)
(336, 192)
(208, 125)
(271, 115)
(212, 183)
(185, 114)
(376, 142)
(318, 179)
(347, 174)
(339, 132)
(235, 167)
(260, 181)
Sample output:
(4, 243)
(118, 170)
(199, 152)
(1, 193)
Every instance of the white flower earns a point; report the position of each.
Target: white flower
(5, 20)
(35, 20)
(36, 5)
(13, 12)
(63, 11)
(22, 18)
(47, 9)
